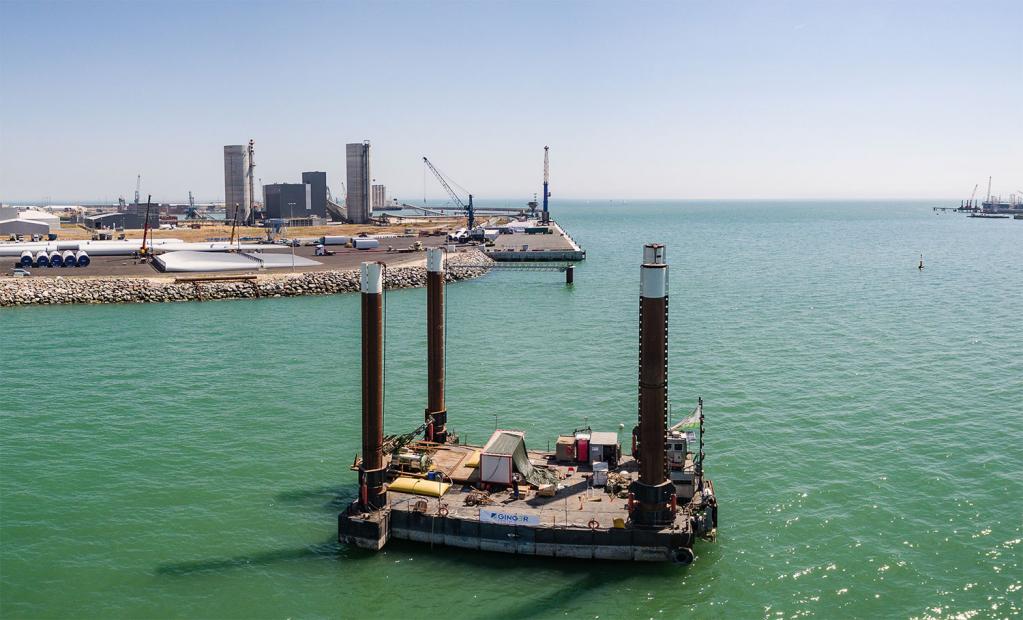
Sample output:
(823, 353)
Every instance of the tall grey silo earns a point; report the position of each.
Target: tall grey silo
(236, 182)
(360, 209)
(318, 203)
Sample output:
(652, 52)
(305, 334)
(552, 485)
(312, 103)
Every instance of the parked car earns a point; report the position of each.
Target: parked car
(20, 272)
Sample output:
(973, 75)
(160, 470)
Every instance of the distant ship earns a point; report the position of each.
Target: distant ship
(991, 205)
(995, 204)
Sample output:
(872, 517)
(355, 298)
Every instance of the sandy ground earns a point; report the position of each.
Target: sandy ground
(342, 259)
(220, 231)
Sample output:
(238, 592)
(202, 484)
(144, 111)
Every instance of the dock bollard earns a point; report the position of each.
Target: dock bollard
(569, 274)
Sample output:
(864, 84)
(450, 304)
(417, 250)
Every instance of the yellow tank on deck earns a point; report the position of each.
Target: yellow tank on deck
(418, 486)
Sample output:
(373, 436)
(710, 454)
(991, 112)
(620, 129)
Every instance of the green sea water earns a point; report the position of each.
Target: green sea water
(864, 428)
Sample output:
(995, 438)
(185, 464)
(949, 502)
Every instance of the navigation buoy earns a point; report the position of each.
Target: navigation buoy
(921, 265)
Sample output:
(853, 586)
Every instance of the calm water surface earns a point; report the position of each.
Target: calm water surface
(864, 429)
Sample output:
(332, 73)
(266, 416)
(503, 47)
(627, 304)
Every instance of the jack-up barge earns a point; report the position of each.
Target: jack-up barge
(586, 499)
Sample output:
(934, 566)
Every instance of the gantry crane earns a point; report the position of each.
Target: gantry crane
(470, 214)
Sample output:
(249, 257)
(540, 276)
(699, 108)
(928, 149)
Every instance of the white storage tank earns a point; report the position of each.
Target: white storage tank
(82, 259)
(68, 258)
(335, 240)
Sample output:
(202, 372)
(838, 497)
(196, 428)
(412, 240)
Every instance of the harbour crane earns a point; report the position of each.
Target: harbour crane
(546, 184)
(470, 214)
(192, 213)
(972, 195)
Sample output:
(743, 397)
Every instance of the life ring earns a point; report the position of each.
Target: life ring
(593, 524)
(443, 512)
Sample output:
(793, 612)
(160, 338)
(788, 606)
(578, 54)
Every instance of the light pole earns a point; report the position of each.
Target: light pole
(291, 242)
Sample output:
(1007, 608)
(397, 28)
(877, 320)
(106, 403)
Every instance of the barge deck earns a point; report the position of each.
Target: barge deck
(578, 521)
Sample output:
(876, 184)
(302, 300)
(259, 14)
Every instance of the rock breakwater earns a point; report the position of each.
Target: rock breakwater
(103, 290)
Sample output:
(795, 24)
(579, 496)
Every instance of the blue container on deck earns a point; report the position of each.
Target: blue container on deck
(431, 475)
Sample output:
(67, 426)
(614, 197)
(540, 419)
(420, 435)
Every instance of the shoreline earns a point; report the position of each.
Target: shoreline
(105, 290)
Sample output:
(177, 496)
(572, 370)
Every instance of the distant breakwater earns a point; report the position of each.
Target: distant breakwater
(113, 290)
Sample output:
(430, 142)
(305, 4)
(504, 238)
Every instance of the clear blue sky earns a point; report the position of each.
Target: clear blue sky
(770, 99)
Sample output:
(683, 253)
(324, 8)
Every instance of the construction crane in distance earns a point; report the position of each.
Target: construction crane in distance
(145, 250)
(470, 214)
(192, 213)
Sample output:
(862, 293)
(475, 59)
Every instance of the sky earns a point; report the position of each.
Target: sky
(637, 100)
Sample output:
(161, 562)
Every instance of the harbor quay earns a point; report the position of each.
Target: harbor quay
(402, 271)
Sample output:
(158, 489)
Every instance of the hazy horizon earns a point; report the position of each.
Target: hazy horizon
(749, 101)
(505, 201)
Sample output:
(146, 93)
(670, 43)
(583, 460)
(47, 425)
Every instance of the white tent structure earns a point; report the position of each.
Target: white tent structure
(189, 260)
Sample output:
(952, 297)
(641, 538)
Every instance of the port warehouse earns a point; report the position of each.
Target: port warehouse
(122, 221)
(14, 221)
(18, 226)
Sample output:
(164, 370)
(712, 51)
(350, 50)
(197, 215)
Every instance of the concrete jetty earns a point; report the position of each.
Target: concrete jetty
(556, 245)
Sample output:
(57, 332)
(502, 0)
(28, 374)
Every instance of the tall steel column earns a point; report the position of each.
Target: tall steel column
(250, 208)
(653, 491)
(435, 408)
(546, 217)
(372, 493)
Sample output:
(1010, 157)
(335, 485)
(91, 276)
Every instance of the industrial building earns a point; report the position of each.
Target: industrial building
(317, 181)
(287, 200)
(379, 196)
(238, 181)
(19, 226)
(122, 220)
(140, 212)
(35, 215)
(360, 209)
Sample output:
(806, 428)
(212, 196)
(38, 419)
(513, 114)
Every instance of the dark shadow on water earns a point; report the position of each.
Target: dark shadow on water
(332, 500)
(310, 552)
(591, 576)
(335, 499)
(586, 577)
